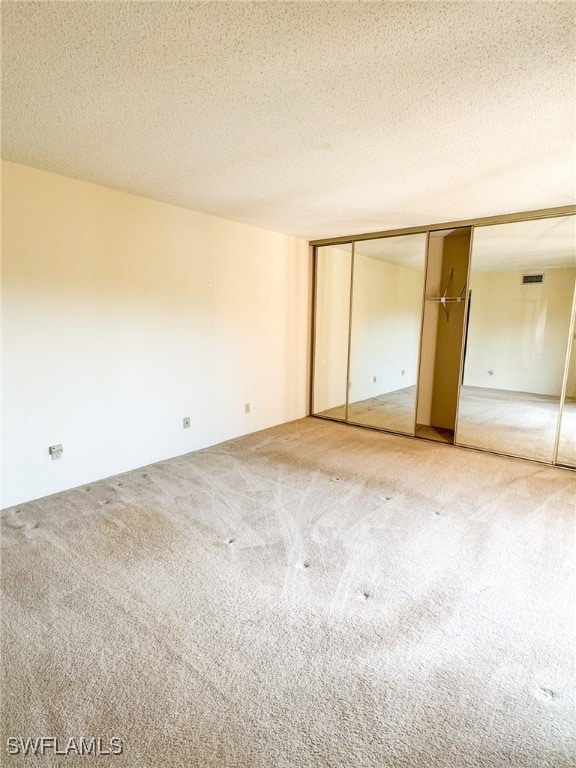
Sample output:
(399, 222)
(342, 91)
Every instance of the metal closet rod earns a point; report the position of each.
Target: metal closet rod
(506, 218)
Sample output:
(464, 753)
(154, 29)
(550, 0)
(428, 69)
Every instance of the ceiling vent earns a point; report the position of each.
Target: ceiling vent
(527, 279)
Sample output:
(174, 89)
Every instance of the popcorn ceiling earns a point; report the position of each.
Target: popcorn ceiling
(314, 119)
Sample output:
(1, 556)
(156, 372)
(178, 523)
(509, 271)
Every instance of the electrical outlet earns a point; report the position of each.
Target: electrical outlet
(186, 422)
(246, 407)
(56, 451)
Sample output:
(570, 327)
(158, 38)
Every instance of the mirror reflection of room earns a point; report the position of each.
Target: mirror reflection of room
(522, 287)
(388, 283)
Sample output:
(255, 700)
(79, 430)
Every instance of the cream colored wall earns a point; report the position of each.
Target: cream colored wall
(520, 332)
(122, 315)
(386, 321)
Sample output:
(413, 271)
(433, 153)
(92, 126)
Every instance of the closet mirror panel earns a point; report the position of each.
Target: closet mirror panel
(387, 293)
(521, 289)
(332, 329)
(567, 437)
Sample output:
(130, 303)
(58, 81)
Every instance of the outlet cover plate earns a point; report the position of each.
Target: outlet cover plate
(56, 451)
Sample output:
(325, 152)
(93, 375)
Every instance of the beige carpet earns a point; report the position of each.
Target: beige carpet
(312, 595)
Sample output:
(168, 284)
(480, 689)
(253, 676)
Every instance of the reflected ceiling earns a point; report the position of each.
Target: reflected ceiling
(525, 245)
(406, 250)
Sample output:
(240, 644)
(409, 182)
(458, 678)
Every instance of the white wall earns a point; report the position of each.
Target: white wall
(520, 332)
(386, 320)
(122, 315)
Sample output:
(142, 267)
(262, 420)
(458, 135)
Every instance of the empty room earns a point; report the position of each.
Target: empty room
(288, 384)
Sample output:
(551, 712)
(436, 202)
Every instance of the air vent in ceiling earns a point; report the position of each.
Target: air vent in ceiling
(526, 279)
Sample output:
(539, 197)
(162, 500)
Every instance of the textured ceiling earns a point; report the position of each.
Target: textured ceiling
(316, 119)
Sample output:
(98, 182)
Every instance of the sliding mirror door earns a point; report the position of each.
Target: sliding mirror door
(522, 285)
(332, 330)
(387, 292)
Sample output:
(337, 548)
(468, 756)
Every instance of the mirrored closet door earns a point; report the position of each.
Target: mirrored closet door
(387, 289)
(462, 334)
(332, 330)
(520, 306)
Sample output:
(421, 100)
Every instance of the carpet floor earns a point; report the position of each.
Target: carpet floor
(310, 596)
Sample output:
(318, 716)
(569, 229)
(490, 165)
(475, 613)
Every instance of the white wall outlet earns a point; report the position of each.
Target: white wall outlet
(246, 407)
(56, 451)
(186, 422)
